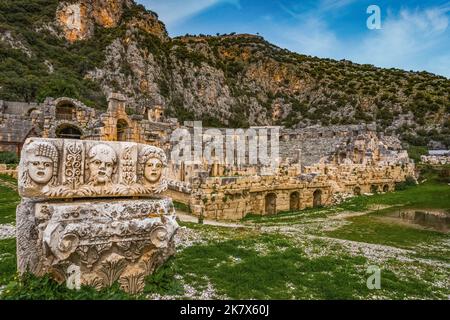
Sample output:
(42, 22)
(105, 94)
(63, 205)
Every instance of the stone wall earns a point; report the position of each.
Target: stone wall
(334, 160)
(436, 160)
(233, 198)
(313, 143)
(355, 161)
(69, 118)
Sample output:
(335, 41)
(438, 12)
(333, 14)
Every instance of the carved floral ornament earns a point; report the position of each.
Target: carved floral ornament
(52, 168)
(100, 241)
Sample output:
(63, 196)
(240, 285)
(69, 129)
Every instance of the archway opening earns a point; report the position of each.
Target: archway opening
(294, 202)
(386, 188)
(374, 189)
(30, 111)
(68, 131)
(357, 191)
(271, 203)
(317, 198)
(65, 111)
(122, 130)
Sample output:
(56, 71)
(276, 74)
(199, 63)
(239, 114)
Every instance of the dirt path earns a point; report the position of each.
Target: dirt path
(183, 216)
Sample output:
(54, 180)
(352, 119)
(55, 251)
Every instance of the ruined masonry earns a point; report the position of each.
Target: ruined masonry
(91, 212)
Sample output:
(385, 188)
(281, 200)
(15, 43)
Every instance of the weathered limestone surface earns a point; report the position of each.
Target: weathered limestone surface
(436, 159)
(68, 118)
(66, 227)
(320, 167)
(78, 18)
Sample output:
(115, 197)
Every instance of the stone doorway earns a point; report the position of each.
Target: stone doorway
(317, 198)
(357, 191)
(386, 188)
(294, 203)
(68, 131)
(122, 128)
(271, 203)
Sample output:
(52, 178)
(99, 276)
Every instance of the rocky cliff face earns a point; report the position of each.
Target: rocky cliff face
(79, 18)
(231, 80)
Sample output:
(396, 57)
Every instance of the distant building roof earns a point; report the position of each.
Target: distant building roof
(439, 152)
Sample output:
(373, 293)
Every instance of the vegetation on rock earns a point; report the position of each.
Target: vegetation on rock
(225, 80)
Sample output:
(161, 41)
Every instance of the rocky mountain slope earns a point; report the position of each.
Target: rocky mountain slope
(87, 48)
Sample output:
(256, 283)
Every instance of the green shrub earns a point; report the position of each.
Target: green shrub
(444, 175)
(182, 207)
(9, 158)
(415, 152)
(408, 183)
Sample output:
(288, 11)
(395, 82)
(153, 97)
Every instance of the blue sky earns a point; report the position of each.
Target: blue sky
(414, 35)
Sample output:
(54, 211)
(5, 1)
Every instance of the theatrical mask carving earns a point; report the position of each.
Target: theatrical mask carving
(152, 163)
(102, 160)
(41, 167)
(76, 169)
(153, 170)
(101, 163)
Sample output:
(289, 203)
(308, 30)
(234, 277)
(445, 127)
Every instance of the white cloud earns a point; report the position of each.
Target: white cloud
(326, 5)
(409, 40)
(311, 36)
(174, 12)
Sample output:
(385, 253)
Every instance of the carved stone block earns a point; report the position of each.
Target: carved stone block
(96, 243)
(57, 169)
(63, 230)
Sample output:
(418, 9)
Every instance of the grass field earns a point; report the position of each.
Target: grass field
(313, 254)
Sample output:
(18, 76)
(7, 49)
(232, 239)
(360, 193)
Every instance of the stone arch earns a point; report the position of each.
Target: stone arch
(30, 111)
(271, 203)
(294, 201)
(385, 188)
(68, 131)
(122, 130)
(317, 198)
(373, 189)
(65, 110)
(357, 191)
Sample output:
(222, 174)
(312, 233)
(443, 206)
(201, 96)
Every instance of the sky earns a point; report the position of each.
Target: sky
(412, 35)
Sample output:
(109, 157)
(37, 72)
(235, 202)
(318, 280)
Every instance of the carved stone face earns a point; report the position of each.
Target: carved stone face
(101, 164)
(153, 170)
(40, 169)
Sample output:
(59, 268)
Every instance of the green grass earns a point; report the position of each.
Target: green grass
(428, 195)
(242, 263)
(9, 199)
(266, 276)
(7, 261)
(369, 229)
(284, 271)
